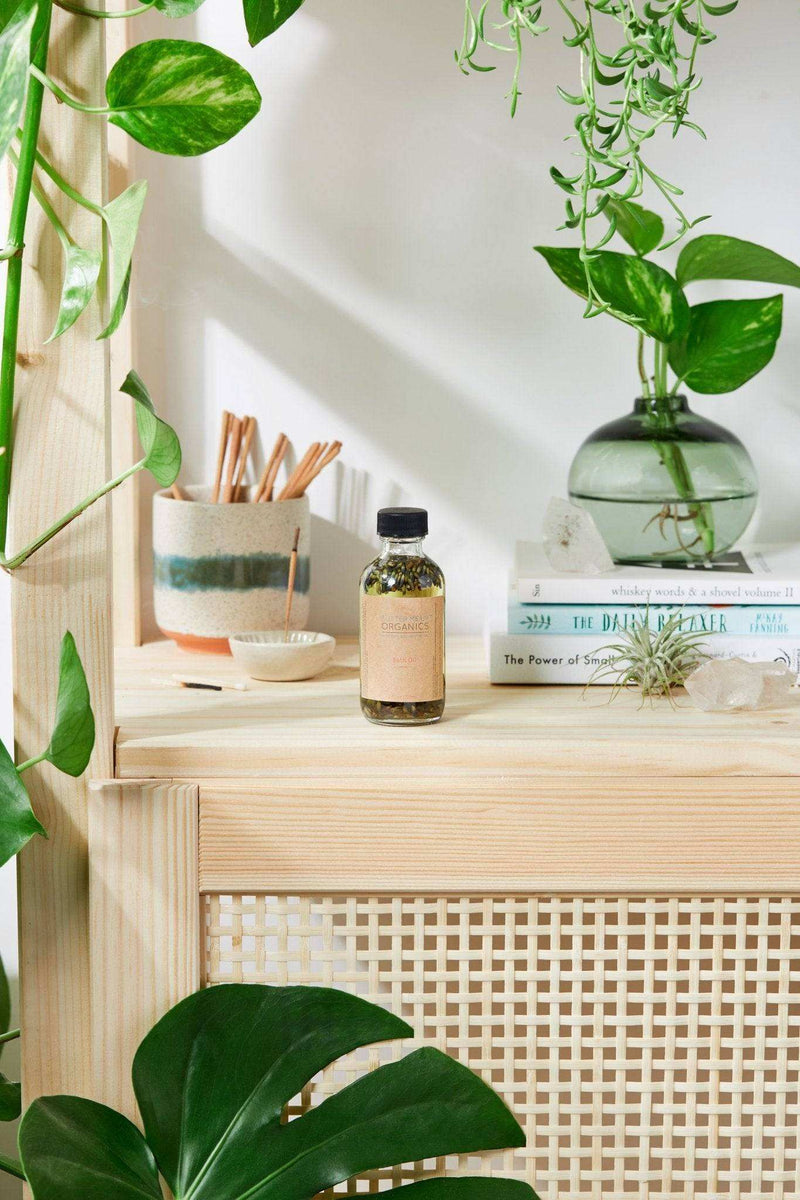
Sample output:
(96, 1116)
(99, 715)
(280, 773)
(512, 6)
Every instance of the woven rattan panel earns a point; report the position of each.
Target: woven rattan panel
(649, 1047)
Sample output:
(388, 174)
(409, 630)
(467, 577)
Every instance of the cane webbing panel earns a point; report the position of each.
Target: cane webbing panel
(649, 1047)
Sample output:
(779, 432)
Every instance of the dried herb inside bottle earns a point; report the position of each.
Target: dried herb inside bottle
(402, 626)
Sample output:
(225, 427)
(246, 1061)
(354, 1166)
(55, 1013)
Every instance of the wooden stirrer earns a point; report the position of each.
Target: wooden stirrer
(298, 472)
(233, 455)
(178, 493)
(321, 464)
(223, 446)
(271, 468)
(290, 588)
(250, 424)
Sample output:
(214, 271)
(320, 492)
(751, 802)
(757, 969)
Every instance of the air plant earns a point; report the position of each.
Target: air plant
(652, 662)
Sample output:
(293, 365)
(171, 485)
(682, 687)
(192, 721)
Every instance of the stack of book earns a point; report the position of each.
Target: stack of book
(559, 626)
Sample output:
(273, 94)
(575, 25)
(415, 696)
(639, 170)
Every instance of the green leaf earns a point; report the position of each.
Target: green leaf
(213, 1076)
(75, 1149)
(178, 8)
(638, 292)
(10, 1099)
(121, 216)
(727, 343)
(464, 1189)
(159, 440)
(713, 256)
(15, 49)
(223, 1063)
(263, 17)
(18, 823)
(81, 270)
(641, 229)
(180, 97)
(5, 1001)
(72, 740)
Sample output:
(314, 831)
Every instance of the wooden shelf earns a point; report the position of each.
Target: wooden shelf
(491, 736)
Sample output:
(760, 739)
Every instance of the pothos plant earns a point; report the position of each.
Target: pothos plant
(212, 1080)
(637, 72)
(174, 97)
(711, 348)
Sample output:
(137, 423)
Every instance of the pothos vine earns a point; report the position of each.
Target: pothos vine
(637, 70)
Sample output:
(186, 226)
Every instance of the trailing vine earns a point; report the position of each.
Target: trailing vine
(642, 80)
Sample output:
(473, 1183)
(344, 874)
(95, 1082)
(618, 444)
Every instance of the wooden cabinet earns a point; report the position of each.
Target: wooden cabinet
(595, 906)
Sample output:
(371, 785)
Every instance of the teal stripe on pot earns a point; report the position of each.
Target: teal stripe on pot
(228, 572)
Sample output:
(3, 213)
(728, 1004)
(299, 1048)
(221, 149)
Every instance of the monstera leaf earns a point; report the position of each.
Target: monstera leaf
(212, 1079)
(180, 97)
(638, 292)
(159, 440)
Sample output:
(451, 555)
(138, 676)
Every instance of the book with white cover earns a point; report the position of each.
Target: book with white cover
(767, 575)
(564, 658)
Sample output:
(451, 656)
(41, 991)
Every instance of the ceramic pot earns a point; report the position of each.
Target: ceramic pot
(220, 569)
(665, 485)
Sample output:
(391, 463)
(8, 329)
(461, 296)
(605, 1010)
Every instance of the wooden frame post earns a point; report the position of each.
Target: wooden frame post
(61, 453)
(145, 920)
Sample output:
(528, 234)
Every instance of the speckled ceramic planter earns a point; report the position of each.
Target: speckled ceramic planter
(220, 569)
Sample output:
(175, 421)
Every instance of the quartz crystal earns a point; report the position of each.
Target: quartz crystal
(572, 541)
(725, 684)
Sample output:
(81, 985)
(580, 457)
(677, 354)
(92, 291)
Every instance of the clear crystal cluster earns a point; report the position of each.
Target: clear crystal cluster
(572, 541)
(727, 684)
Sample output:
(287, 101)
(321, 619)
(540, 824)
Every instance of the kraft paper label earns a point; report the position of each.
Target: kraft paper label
(402, 648)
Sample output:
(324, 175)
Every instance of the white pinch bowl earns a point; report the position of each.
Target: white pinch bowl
(265, 655)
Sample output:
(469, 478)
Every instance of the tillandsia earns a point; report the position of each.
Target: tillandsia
(638, 71)
(710, 348)
(649, 661)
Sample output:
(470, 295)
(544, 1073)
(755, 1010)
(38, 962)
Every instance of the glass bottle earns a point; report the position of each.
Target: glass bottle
(664, 484)
(402, 625)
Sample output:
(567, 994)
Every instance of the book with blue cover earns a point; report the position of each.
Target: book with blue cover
(749, 620)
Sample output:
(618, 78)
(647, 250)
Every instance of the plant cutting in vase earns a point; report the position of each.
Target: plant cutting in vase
(664, 483)
(637, 63)
(212, 1080)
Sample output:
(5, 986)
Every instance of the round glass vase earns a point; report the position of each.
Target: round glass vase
(665, 485)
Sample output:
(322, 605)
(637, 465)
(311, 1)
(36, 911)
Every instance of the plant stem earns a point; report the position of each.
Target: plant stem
(677, 468)
(11, 564)
(12, 1034)
(67, 188)
(641, 364)
(95, 110)
(30, 762)
(16, 238)
(12, 1167)
(103, 14)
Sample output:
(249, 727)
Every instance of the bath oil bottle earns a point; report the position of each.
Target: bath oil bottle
(402, 625)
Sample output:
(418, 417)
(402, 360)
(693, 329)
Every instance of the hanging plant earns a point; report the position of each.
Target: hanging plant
(638, 70)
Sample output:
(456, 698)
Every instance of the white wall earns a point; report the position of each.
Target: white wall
(358, 264)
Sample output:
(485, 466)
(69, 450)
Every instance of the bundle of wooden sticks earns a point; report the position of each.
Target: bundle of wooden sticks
(235, 444)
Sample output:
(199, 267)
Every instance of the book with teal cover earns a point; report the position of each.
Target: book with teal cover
(592, 619)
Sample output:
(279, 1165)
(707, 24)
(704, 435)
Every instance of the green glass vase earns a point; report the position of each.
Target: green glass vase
(665, 485)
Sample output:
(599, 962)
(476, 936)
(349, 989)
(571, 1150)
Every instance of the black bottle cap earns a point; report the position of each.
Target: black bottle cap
(402, 522)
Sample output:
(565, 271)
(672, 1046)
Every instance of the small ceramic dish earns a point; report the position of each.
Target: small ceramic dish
(265, 655)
